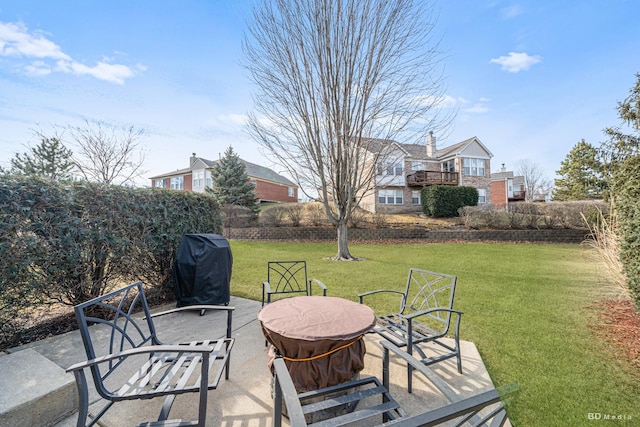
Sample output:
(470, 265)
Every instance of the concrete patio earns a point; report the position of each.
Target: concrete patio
(243, 400)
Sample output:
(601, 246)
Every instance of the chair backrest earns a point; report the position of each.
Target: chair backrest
(288, 277)
(114, 327)
(428, 290)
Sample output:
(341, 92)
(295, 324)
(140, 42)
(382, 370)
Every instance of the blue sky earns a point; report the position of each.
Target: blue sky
(529, 78)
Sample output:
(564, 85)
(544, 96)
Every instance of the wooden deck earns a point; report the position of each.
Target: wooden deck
(423, 178)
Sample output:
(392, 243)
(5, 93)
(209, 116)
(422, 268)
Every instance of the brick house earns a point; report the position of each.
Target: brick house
(270, 186)
(506, 188)
(405, 169)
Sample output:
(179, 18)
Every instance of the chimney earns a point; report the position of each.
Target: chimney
(504, 168)
(431, 145)
(193, 159)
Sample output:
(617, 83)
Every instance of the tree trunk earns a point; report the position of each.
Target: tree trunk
(343, 242)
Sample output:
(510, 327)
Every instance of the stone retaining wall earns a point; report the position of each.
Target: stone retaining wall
(329, 233)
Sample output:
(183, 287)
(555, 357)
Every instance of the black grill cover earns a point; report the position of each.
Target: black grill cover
(202, 270)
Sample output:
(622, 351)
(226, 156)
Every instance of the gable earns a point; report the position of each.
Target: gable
(474, 149)
(199, 164)
(471, 147)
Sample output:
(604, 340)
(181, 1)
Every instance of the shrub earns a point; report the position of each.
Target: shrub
(627, 204)
(358, 218)
(442, 201)
(605, 240)
(380, 220)
(273, 216)
(316, 214)
(238, 216)
(483, 216)
(295, 213)
(68, 243)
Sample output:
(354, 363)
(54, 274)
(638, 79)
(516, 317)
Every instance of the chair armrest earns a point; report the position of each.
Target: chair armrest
(432, 310)
(142, 350)
(194, 307)
(319, 283)
(468, 406)
(362, 295)
(266, 287)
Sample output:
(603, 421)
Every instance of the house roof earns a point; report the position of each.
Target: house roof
(502, 175)
(457, 149)
(253, 170)
(419, 151)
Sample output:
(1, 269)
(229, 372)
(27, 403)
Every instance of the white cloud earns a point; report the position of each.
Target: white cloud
(38, 68)
(114, 73)
(517, 61)
(17, 41)
(445, 101)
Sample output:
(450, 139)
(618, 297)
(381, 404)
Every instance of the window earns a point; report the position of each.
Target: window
(482, 195)
(415, 197)
(159, 183)
(391, 169)
(291, 192)
(177, 183)
(390, 197)
(418, 166)
(198, 178)
(473, 167)
(449, 166)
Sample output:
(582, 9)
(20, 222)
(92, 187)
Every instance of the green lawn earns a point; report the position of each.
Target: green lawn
(526, 307)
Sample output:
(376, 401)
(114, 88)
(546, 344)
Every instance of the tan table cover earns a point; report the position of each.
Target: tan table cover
(319, 337)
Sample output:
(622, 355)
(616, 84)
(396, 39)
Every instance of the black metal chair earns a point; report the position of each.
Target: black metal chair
(425, 315)
(374, 403)
(127, 360)
(288, 278)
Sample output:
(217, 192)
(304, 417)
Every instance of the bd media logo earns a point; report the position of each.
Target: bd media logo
(594, 416)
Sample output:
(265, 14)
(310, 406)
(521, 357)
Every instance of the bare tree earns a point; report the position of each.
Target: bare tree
(334, 75)
(107, 154)
(535, 182)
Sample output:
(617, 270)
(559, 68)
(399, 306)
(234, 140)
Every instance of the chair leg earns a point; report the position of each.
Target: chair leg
(83, 398)
(410, 351)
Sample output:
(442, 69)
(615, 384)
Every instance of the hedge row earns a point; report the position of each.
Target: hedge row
(443, 201)
(71, 242)
(627, 202)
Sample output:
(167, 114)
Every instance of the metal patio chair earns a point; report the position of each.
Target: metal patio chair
(425, 315)
(128, 362)
(288, 278)
(373, 402)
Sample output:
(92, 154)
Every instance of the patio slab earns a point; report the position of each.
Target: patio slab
(245, 399)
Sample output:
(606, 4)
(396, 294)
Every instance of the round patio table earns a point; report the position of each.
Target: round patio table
(320, 338)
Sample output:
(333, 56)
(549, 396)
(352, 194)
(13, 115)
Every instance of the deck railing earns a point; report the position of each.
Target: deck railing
(518, 195)
(422, 178)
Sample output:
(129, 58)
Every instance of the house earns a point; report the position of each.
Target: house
(270, 186)
(506, 188)
(405, 169)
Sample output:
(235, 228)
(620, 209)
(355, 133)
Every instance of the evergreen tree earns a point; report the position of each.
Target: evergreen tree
(230, 182)
(622, 153)
(49, 159)
(580, 174)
